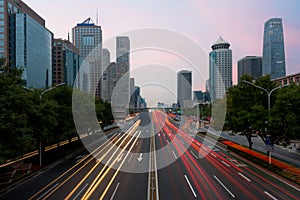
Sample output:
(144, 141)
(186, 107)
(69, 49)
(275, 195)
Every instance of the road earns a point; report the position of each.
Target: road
(123, 168)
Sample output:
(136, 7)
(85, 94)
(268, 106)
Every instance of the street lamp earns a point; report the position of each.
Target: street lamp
(269, 101)
(41, 96)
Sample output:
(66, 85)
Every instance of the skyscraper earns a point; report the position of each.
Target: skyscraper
(220, 69)
(273, 49)
(184, 87)
(33, 51)
(250, 65)
(121, 95)
(105, 64)
(87, 37)
(66, 65)
(8, 10)
(26, 43)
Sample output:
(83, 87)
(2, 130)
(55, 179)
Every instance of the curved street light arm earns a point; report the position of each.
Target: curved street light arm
(256, 86)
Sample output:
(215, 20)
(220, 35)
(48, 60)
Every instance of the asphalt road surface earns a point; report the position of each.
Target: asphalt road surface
(183, 166)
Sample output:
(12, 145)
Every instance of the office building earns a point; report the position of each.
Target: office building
(87, 37)
(132, 97)
(26, 43)
(184, 87)
(122, 97)
(67, 64)
(250, 65)
(273, 49)
(220, 69)
(111, 79)
(105, 64)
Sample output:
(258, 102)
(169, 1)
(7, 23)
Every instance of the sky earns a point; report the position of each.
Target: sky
(238, 22)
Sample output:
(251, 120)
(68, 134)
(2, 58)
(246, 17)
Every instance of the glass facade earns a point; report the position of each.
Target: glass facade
(33, 51)
(273, 49)
(87, 37)
(250, 65)
(2, 33)
(220, 69)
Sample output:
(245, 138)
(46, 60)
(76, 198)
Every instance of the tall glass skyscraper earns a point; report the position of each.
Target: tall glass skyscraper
(220, 69)
(184, 87)
(87, 37)
(250, 65)
(121, 95)
(273, 49)
(33, 51)
(25, 42)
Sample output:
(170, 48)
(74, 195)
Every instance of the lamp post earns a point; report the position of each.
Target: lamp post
(269, 93)
(41, 96)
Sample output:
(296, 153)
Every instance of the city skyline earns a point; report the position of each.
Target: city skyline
(235, 23)
(241, 27)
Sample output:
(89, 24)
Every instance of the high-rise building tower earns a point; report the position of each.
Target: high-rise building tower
(273, 49)
(67, 65)
(250, 65)
(26, 43)
(220, 69)
(122, 97)
(87, 37)
(105, 64)
(8, 10)
(184, 87)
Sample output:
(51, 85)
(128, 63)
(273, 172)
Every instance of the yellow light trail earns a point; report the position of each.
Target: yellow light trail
(133, 128)
(93, 186)
(55, 180)
(116, 173)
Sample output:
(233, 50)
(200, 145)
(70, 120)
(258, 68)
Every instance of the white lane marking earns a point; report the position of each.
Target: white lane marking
(192, 189)
(137, 143)
(194, 154)
(80, 191)
(174, 154)
(115, 191)
(225, 163)
(213, 155)
(130, 158)
(168, 141)
(54, 186)
(271, 196)
(242, 175)
(224, 186)
(245, 177)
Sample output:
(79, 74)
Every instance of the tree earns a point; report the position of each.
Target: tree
(285, 115)
(15, 134)
(65, 127)
(246, 112)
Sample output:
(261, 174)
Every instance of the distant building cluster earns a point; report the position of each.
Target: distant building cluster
(26, 43)
(272, 63)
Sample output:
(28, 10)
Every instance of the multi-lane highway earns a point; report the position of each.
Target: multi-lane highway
(184, 165)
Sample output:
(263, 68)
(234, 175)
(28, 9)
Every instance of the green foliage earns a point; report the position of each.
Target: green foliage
(29, 116)
(285, 115)
(247, 110)
(15, 137)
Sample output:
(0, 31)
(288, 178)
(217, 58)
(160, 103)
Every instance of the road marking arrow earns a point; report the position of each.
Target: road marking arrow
(140, 157)
(120, 158)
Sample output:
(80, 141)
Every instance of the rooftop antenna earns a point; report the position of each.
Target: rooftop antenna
(97, 17)
(69, 36)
